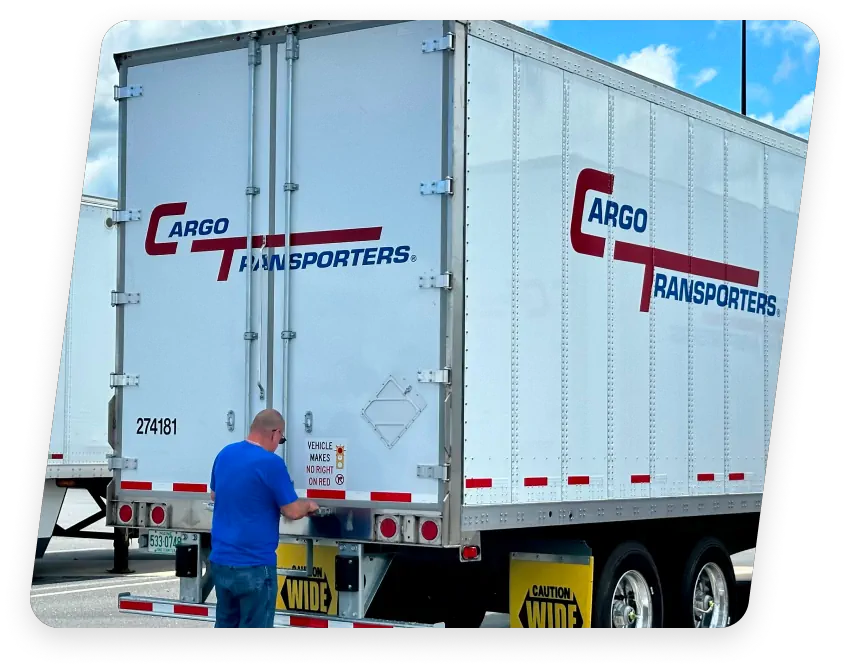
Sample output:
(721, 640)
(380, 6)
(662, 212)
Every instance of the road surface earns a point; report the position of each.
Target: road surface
(71, 586)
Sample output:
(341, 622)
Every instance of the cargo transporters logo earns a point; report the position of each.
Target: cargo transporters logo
(208, 235)
(658, 284)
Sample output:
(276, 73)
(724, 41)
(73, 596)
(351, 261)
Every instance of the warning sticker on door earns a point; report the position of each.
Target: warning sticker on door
(326, 464)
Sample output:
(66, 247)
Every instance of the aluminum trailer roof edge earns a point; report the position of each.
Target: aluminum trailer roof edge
(665, 87)
(307, 29)
(104, 202)
(232, 41)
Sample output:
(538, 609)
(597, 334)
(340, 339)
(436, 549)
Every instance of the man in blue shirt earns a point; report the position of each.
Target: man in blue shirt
(251, 489)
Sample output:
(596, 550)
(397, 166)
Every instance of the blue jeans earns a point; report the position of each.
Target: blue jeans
(245, 596)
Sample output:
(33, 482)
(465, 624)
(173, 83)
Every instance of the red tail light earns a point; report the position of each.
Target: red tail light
(125, 513)
(388, 528)
(158, 515)
(470, 553)
(429, 530)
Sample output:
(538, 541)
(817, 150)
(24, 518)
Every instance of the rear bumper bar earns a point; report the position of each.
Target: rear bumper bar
(160, 607)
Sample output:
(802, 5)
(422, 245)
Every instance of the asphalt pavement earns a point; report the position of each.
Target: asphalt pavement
(71, 585)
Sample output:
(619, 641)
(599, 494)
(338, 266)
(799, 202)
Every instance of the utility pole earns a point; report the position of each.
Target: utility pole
(744, 68)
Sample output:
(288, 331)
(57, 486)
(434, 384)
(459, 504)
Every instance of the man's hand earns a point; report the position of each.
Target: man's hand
(299, 509)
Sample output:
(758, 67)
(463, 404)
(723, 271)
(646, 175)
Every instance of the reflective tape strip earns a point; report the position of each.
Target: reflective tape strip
(536, 482)
(56, 455)
(206, 612)
(317, 623)
(640, 478)
(705, 477)
(373, 497)
(578, 480)
(144, 486)
(182, 609)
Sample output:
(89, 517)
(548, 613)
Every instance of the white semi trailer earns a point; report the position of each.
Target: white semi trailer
(79, 451)
(522, 310)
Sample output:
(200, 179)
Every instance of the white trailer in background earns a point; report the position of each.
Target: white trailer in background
(79, 451)
(522, 310)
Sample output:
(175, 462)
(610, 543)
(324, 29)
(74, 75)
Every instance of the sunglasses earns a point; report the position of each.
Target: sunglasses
(282, 437)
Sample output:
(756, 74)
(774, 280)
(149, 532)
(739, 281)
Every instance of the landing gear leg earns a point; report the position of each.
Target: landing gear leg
(121, 553)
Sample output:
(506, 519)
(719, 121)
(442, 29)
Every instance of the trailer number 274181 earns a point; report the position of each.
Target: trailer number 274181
(161, 426)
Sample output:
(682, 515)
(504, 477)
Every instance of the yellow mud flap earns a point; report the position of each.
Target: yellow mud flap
(310, 601)
(551, 590)
(311, 593)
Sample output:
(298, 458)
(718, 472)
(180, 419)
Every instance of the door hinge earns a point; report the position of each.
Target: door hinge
(433, 471)
(254, 51)
(290, 187)
(443, 281)
(434, 376)
(443, 187)
(291, 46)
(444, 43)
(122, 464)
(121, 298)
(123, 380)
(123, 92)
(126, 216)
(287, 335)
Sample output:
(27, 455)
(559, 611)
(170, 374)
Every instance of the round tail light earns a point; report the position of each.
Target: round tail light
(158, 515)
(429, 530)
(388, 527)
(125, 513)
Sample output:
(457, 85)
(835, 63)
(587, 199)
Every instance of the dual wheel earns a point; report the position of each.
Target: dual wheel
(694, 592)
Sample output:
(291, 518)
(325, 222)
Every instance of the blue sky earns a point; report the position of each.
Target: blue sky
(699, 57)
(704, 58)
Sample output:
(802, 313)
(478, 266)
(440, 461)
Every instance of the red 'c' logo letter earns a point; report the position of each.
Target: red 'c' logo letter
(588, 179)
(163, 210)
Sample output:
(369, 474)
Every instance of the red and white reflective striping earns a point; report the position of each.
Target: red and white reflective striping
(376, 497)
(206, 612)
(636, 479)
(143, 486)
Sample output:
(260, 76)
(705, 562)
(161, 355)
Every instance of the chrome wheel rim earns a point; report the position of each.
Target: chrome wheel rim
(631, 606)
(710, 598)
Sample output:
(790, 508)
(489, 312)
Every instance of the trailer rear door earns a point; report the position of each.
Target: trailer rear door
(186, 173)
(367, 116)
(367, 130)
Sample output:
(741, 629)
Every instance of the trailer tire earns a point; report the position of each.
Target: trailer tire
(630, 570)
(708, 567)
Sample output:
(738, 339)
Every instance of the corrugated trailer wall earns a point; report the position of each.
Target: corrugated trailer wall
(628, 345)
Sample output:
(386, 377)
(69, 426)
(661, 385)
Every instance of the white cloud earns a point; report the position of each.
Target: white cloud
(704, 76)
(785, 68)
(756, 91)
(536, 26)
(101, 176)
(655, 62)
(717, 25)
(796, 120)
(787, 31)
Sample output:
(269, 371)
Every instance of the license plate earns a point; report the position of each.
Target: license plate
(163, 542)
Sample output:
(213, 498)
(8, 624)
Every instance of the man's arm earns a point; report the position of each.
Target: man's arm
(291, 507)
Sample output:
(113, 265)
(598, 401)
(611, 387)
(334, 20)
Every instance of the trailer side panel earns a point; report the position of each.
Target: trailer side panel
(623, 336)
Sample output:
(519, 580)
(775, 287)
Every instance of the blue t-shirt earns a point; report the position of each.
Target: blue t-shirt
(250, 485)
